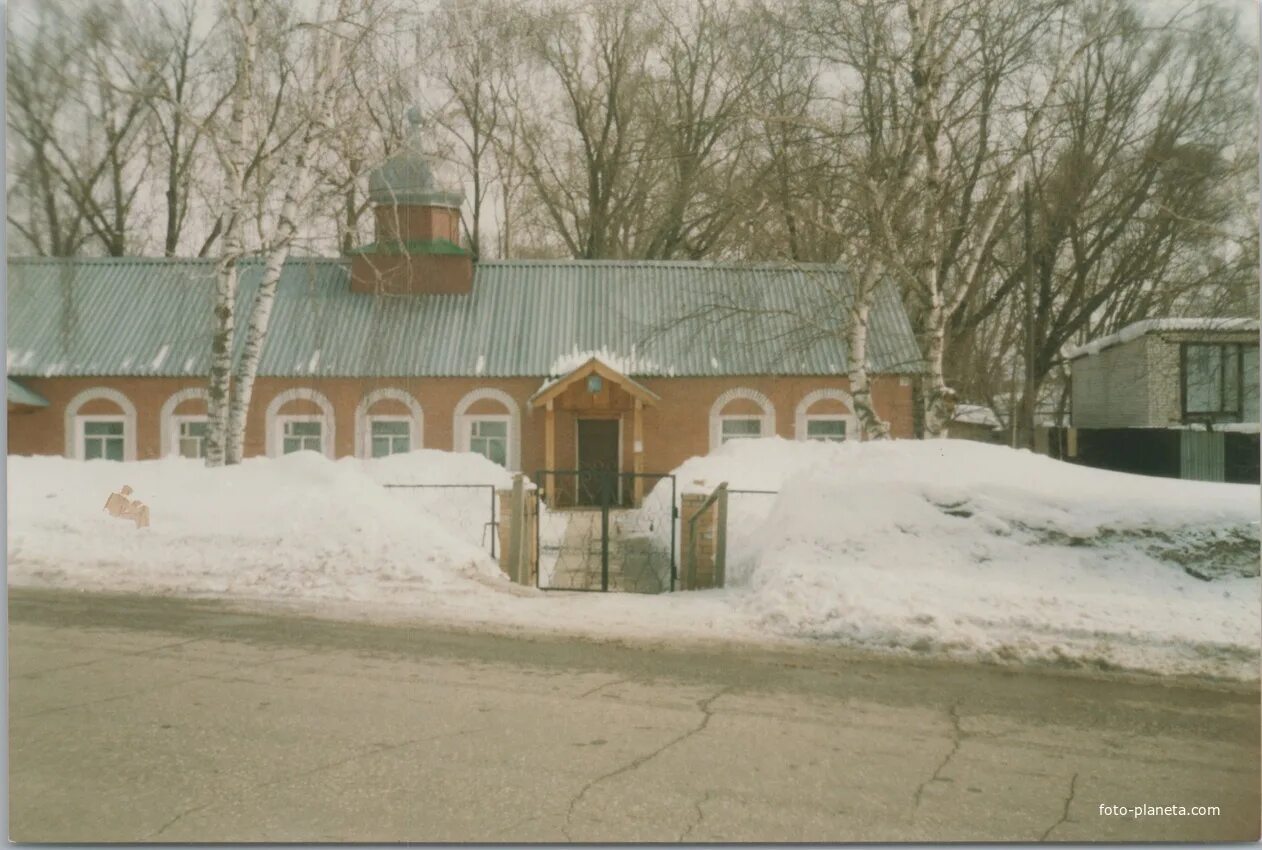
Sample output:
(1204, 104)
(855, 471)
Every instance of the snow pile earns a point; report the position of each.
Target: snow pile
(300, 526)
(980, 550)
(434, 466)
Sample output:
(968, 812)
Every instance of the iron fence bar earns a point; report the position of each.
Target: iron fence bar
(604, 534)
(674, 515)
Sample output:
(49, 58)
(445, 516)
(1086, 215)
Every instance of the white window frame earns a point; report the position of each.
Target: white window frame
(363, 426)
(808, 401)
(176, 421)
(717, 415)
(274, 433)
(72, 431)
(460, 430)
(81, 421)
(471, 419)
(728, 417)
(281, 420)
(168, 423)
(828, 417)
(388, 417)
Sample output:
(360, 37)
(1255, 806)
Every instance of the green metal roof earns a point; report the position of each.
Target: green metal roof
(18, 394)
(152, 317)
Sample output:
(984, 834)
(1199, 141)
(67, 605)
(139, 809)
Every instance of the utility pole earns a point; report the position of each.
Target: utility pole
(1028, 402)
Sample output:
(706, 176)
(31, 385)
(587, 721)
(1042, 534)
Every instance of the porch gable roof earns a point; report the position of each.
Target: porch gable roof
(593, 365)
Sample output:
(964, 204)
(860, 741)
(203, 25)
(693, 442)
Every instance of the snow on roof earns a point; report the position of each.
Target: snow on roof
(625, 364)
(1138, 329)
(975, 414)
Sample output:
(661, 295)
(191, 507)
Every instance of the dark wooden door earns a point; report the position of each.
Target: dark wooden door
(597, 460)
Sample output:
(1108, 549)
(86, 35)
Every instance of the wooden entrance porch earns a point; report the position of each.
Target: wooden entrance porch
(600, 402)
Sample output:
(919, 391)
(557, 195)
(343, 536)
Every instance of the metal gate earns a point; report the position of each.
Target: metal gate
(601, 530)
(1201, 455)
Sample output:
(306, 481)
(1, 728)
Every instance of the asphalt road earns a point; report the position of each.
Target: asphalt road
(135, 719)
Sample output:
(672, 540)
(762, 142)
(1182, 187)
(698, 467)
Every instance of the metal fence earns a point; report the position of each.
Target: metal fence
(471, 510)
(593, 536)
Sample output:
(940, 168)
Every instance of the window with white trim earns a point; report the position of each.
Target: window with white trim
(389, 435)
(488, 436)
(830, 429)
(102, 437)
(739, 428)
(190, 436)
(301, 434)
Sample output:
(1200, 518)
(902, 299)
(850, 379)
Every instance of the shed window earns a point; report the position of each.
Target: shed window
(741, 428)
(299, 435)
(1249, 384)
(103, 438)
(192, 438)
(488, 436)
(827, 428)
(391, 437)
(1219, 381)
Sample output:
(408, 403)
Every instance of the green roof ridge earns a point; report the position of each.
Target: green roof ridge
(412, 246)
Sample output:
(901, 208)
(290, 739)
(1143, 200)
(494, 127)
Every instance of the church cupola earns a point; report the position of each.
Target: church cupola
(417, 246)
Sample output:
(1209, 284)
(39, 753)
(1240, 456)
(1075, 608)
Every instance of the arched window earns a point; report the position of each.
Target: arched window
(293, 432)
(380, 434)
(835, 422)
(731, 420)
(183, 434)
(495, 435)
(107, 436)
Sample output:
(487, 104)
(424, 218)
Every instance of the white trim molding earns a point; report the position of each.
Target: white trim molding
(716, 413)
(70, 420)
(800, 415)
(460, 422)
(274, 422)
(415, 418)
(168, 421)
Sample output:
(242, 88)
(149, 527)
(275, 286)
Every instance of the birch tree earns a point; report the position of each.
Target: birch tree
(313, 87)
(234, 156)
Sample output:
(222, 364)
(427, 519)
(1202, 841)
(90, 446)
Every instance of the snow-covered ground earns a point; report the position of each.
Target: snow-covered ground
(945, 547)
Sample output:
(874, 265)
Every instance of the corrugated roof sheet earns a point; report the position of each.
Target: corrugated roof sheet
(152, 317)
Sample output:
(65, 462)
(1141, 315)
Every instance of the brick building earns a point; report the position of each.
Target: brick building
(410, 343)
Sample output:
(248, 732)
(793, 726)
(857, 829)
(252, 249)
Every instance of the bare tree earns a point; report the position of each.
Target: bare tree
(79, 83)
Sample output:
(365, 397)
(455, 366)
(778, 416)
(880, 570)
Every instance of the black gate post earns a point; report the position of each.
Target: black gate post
(674, 517)
(604, 532)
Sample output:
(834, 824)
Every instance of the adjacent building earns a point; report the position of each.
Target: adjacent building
(1170, 397)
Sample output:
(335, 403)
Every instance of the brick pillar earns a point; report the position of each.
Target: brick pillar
(505, 519)
(523, 573)
(697, 564)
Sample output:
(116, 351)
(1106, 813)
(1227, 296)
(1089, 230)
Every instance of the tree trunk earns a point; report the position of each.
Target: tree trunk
(870, 424)
(220, 385)
(256, 336)
(940, 399)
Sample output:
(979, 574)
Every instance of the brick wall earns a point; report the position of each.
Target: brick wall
(675, 429)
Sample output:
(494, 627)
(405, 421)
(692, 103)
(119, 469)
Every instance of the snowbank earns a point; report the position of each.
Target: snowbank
(980, 550)
(947, 547)
(297, 526)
